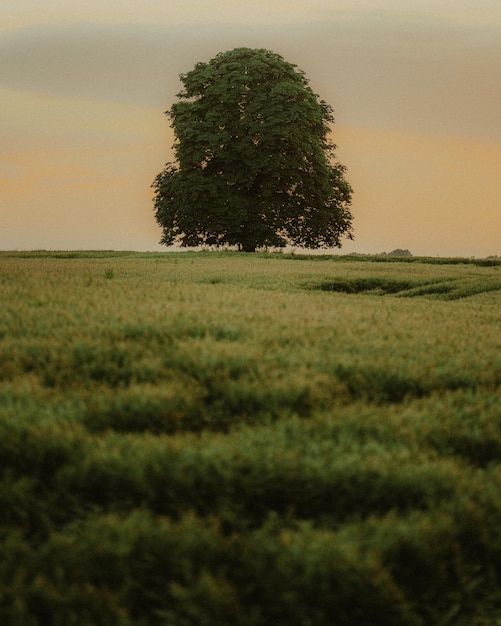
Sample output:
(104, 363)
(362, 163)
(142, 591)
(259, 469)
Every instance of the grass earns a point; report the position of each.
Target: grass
(221, 438)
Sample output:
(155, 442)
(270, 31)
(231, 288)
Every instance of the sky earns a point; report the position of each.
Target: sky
(415, 87)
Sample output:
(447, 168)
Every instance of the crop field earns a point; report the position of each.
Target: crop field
(214, 438)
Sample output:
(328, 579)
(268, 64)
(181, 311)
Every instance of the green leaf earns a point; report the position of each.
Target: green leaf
(255, 165)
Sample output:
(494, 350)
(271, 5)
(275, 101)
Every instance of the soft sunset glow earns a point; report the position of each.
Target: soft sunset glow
(413, 84)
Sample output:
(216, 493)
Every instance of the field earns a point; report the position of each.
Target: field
(214, 439)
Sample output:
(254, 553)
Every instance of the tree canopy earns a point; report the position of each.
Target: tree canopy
(254, 163)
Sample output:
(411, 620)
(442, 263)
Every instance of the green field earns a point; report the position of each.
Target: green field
(214, 439)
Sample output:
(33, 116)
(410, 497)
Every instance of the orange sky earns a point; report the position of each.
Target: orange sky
(414, 86)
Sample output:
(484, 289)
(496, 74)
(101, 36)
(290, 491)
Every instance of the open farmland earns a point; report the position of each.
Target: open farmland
(215, 439)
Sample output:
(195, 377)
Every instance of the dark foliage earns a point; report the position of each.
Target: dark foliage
(255, 166)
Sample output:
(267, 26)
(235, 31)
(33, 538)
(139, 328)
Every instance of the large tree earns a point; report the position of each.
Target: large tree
(255, 165)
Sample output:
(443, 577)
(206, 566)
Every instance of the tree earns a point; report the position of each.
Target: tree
(255, 166)
(400, 252)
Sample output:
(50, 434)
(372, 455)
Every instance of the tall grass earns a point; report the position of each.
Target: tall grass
(217, 438)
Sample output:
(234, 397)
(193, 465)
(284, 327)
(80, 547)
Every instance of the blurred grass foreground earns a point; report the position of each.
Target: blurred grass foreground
(215, 439)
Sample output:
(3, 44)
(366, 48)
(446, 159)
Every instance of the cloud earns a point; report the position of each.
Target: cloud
(78, 173)
(435, 195)
(421, 75)
(18, 13)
